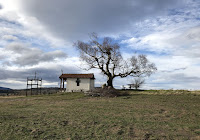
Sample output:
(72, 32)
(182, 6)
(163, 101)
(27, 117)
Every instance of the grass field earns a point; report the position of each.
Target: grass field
(142, 115)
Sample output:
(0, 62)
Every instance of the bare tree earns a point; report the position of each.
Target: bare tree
(137, 82)
(106, 56)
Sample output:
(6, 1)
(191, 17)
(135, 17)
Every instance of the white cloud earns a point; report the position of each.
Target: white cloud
(166, 30)
(9, 37)
(15, 23)
(132, 40)
(25, 55)
(72, 20)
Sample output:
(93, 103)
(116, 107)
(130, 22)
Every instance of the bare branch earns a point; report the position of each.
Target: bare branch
(106, 56)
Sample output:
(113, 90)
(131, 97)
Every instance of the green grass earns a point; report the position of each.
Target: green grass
(142, 115)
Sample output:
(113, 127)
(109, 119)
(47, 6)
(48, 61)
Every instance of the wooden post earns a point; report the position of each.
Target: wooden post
(60, 83)
(27, 86)
(40, 85)
(63, 84)
(31, 87)
(37, 86)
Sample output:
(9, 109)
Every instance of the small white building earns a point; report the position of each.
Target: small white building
(76, 82)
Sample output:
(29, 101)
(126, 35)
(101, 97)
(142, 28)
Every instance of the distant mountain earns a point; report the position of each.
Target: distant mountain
(4, 88)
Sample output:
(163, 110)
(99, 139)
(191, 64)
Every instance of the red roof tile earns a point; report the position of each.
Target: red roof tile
(91, 76)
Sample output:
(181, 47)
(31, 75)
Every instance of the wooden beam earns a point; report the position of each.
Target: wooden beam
(63, 84)
(60, 83)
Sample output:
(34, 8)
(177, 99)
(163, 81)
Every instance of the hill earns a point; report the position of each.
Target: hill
(4, 88)
(5, 91)
(141, 115)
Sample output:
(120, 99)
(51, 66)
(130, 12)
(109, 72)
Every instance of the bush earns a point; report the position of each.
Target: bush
(106, 92)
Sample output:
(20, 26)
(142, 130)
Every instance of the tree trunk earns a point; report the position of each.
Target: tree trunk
(110, 82)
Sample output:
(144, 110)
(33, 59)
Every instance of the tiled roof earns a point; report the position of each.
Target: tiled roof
(91, 76)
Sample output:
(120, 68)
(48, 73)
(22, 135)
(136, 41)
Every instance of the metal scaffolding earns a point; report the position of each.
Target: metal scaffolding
(34, 83)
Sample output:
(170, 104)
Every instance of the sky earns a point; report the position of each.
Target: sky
(38, 36)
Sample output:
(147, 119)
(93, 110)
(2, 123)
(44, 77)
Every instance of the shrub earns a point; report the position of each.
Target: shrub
(106, 92)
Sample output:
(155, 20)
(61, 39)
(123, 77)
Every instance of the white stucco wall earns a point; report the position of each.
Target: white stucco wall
(84, 85)
(91, 84)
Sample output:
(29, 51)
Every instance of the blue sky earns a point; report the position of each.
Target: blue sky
(39, 35)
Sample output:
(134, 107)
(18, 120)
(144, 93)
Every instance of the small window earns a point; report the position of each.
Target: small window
(78, 82)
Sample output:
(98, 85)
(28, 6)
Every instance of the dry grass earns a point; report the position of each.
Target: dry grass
(142, 115)
(166, 92)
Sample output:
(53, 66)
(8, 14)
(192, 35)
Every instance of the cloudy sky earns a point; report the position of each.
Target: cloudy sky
(38, 35)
